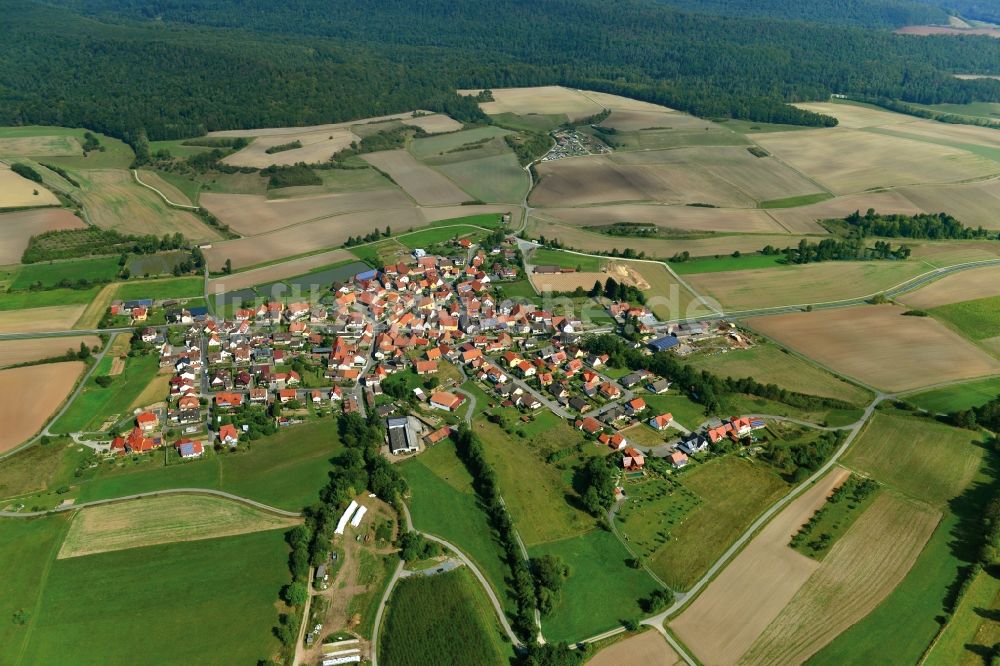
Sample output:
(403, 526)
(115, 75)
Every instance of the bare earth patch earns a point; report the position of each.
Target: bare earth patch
(16, 191)
(964, 286)
(862, 568)
(570, 281)
(31, 395)
(879, 346)
(729, 615)
(642, 650)
(13, 352)
(154, 520)
(317, 146)
(18, 227)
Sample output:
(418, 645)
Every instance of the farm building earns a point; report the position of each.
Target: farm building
(663, 344)
(404, 435)
(446, 401)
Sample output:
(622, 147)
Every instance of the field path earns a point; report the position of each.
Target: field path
(163, 196)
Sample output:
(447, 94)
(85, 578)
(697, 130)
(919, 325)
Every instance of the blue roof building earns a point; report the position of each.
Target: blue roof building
(366, 275)
(663, 344)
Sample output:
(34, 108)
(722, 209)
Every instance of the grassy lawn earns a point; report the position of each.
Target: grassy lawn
(181, 287)
(920, 457)
(20, 300)
(41, 468)
(770, 364)
(440, 235)
(442, 502)
(653, 509)
(95, 405)
(601, 590)
(286, 470)
(51, 274)
(378, 253)
(531, 122)
(27, 547)
(977, 319)
(686, 412)
(115, 154)
(537, 495)
(794, 202)
(493, 179)
(442, 619)
(726, 263)
(517, 289)
(484, 220)
(957, 396)
(89, 604)
(958, 643)
(442, 143)
(548, 257)
(739, 403)
(375, 572)
(733, 492)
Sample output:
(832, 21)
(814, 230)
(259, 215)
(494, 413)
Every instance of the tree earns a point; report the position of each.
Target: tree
(104, 381)
(596, 290)
(228, 267)
(295, 594)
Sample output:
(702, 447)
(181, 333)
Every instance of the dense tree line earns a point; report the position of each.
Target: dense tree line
(868, 13)
(257, 63)
(986, 416)
(701, 386)
(933, 226)
(75, 243)
(470, 450)
(798, 461)
(832, 249)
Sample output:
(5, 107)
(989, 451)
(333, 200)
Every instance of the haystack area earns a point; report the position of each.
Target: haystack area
(31, 395)
(880, 346)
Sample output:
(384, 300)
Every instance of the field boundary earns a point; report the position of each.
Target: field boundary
(135, 174)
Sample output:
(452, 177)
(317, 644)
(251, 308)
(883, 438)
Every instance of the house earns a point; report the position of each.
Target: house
(633, 378)
(188, 448)
(426, 367)
(403, 435)
(635, 405)
(589, 425)
(188, 402)
(146, 421)
(446, 401)
(229, 435)
(662, 344)
(693, 443)
(286, 395)
(658, 387)
(609, 391)
(228, 400)
(678, 459)
(633, 460)
(616, 441)
(661, 421)
(579, 404)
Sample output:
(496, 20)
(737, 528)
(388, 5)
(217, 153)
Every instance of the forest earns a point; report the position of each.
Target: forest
(143, 70)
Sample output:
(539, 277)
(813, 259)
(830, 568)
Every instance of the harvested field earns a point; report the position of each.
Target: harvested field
(634, 120)
(309, 129)
(156, 520)
(729, 615)
(169, 190)
(974, 204)
(115, 201)
(52, 318)
(566, 281)
(95, 310)
(13, 352)
(496, 178)
(317, 146)
(879, 346)
(276, 272)
(594, 180)
(18, 192)
(542, 100)
(250, 214)
(587, 241)
(759, 178)
(803, 218)
(618, 103)
(862, 568)
(40, 146)
(800, 284)
(850, 161)
(435, 124)
(21, 225)
(156, 391)
(646, 648)
(857, 116)
(426, 186)
(32, 395)
(665, 296)
(681, 218)
(309, 237)
(963, 286)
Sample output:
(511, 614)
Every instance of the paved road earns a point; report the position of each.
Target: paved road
(450, 564)
(156, 493)
(376, 627)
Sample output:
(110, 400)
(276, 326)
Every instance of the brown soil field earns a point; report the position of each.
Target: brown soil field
(729, 615)
(634, 120)
(581, 181)
(924, 30)
(155, 180)
(40, 146)
(18, 227)
(16, 191)
(425, 185)
(544, 100)
(974, 204)
(317, 146)
(309, 237)
(115, 201)
(617, 103)
(802, 219)
(435, 124)
(963, 286)
(854, 116)
(251, 214)
(861, 569)
(165, 519)
(586, 241)
(683, 218)
(277, 271)
(851, 161)
(643, 650)
(880, 346)
(31, 395)
(52, 318)
(117, 366)
(13, 352)
(949, 253)
(309, 129)
(566, 281)
(759, 178)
